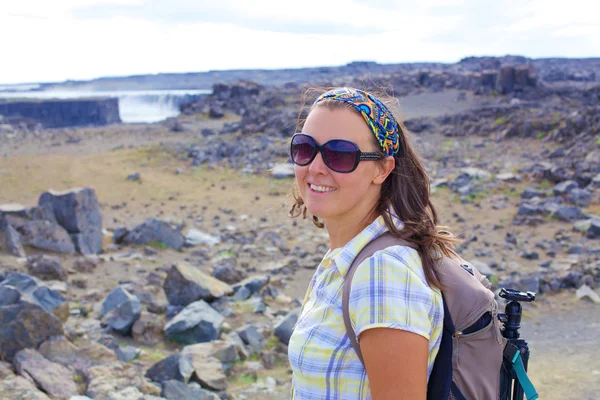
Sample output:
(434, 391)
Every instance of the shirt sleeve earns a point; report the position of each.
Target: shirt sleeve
(389, 291)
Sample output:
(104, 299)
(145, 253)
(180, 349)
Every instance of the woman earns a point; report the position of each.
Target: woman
(359, 177)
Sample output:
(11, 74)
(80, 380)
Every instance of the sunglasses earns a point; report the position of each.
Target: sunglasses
(338, 154)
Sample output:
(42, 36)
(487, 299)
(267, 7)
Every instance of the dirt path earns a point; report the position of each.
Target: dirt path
(564, 338)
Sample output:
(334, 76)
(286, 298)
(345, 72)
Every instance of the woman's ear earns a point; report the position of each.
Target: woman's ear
(385, 168)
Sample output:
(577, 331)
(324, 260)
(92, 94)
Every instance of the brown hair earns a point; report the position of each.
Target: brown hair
(406, 192)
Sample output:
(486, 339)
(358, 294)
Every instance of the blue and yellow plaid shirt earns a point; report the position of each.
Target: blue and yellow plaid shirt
(389, 290)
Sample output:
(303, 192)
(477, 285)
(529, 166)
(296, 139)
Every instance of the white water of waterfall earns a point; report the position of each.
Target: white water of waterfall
(134, 106)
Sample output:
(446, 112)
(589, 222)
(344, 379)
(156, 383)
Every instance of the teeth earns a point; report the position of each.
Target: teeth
(321, 188)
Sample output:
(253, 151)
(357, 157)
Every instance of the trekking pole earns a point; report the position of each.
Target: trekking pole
(513, 377)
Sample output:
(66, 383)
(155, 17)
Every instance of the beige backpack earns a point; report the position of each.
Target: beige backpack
(469, 361)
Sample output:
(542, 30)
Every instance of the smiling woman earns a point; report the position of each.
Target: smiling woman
(359, 177)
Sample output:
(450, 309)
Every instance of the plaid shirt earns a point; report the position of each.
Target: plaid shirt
(389, 290)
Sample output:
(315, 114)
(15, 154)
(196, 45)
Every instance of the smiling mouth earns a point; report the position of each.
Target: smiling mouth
(320, 189)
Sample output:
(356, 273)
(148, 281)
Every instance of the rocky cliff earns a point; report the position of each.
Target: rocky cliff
(57, 113)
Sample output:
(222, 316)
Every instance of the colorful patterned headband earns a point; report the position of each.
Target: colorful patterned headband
(378, 117)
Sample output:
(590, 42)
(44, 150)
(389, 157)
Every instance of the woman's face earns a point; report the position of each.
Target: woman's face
(331, 195)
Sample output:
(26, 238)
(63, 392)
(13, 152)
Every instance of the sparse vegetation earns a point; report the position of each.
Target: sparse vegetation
(243, 380)
(500, 121)
(272, 343)
(157, 245)
(545, 184)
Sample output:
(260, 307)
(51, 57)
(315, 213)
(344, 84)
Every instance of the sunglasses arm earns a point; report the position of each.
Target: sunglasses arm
(371, 156)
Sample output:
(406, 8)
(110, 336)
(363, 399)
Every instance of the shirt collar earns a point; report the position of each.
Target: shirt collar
(341, 258)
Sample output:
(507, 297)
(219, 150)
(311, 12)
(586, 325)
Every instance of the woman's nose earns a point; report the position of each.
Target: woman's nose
(318, 166)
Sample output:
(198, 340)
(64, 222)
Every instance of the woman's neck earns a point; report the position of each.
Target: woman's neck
(343, 231)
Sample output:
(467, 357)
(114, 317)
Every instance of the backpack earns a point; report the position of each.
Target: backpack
(470, 357)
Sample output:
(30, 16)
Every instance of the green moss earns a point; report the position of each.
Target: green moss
(500, 121)
(545, 184)
(494, 280)
(272, 343)
(598, 141)
(153, 356)
(78, 377)
(226, 253)
(510, 192)
(540, 135)
(243, 380)
(157, 245)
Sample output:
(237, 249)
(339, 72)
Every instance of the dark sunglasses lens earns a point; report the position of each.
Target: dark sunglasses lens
(341, 155)
(303, 150)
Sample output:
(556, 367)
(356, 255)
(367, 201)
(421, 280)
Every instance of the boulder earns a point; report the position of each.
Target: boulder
(225, 270)
(223, 351)
(207, 359)
(13, 209)
(283, 329)
(252, 337)
(46, 267)
(283, 171)
(586, 292)
(174, 367)
(565, 187)
(567, 213)
(60, 350)
(175, 390)
(16, 387)
(148, 329)
(54, 379)
(78, 212)
(580, 197)
(530, 283)
(25, 325)
(108, 378)
(208, 371)
(477, 173)
(593, 232)
(12, 242)
(530, 209)
(119, 234)
(505, 82)
(240, 346)
(252, 285)
(32, 290)
(483, 268)
(51, 300)
(508, 177)
(9, 295)
(127, 353)
(120, 310)
(532, 192)
(185, 284)
(85, 264)
(130, 393)
(154, 231)
(45, 235)
(197, 323)
(194, 237)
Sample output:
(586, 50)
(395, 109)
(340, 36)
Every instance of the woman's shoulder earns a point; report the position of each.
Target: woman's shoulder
(399, 263)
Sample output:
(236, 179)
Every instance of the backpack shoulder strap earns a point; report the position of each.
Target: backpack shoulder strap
(384, 241)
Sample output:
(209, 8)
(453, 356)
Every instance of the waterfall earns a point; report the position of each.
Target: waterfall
(152, 107)
(134, 106)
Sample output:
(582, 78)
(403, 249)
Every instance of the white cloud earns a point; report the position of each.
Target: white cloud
(50, 43)
(50, 9)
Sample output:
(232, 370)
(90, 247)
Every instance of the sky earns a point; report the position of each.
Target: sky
(58, 40)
